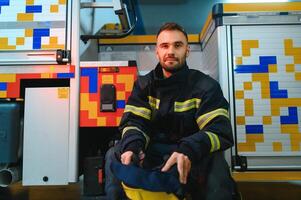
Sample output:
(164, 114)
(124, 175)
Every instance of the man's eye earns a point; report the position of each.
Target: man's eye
(177, 45)
(164, 46)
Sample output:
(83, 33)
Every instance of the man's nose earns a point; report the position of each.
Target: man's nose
(171, 49)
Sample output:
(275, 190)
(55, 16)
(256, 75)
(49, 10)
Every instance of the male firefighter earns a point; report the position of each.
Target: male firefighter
(176, 118)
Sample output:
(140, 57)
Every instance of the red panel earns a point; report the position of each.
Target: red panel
(72, 69)
(85, 121)
(111, 121)
(94, 97)
(111, 117)
(13, 89)
(84, 84)
(120, 86)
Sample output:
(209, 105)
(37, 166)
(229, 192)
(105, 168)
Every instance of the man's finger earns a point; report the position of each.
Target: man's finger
(170, 162)
(126, 157)
(141, 158)
(187, 166)
(127, 160)
(181, 170)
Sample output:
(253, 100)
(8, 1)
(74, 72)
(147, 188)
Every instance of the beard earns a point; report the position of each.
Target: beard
(172, 67)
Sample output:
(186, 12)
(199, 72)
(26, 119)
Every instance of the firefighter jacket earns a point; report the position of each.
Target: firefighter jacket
(187, 109)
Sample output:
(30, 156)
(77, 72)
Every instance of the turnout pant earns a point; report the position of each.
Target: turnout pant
(210, 179)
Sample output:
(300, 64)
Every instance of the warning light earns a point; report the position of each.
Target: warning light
(108, 69)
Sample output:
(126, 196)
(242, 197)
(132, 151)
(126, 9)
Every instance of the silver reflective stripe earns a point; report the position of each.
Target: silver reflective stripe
(31, 25)
(140, 111)
(187, 105)
(206, 118)
(153, 102)
(137, 129)
(214, 140)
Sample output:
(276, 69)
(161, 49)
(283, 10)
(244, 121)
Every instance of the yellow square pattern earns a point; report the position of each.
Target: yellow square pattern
(239, 94)
(290, 67)
(25, 17)
(28, 33)
(267, 120)
(107, 79)
(240, 120)
(238, 60)
(3, 94)
(20, 41)
(120, 95)
(272, 68)
(8, 78)
(62, 2)
(54, 8)
(29, 2)
(277, 146)
(248, 85)
(298, 76)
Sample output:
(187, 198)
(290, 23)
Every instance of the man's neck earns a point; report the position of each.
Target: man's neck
(166, 74)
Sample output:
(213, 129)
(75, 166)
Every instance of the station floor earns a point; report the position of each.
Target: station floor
(249, 190)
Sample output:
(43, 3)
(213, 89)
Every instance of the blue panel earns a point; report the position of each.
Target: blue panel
(120, 103)
(33, 9)
(275, 92)
(3, 86)
(3, 3)
(292, 117)
(37, 34)
(92, 73)
(41, 32)
(65, 75)
(250, 69)
(263, 66)
(266, 60)
(254, 129)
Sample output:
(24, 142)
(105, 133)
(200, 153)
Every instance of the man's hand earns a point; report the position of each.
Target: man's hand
(127, 157)
(183, 165)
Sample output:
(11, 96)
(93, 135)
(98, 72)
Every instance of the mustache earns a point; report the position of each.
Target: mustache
(170, 57)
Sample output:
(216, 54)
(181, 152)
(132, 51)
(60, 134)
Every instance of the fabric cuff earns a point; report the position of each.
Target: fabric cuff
(135, 146)
(187, 150)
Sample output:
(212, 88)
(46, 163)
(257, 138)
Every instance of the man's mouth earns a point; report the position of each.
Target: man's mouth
(170, 59)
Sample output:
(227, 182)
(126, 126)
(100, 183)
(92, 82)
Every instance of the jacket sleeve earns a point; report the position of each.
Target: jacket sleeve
(215, 131)
(135, 121)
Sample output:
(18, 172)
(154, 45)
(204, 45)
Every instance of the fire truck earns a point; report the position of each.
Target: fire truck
(65, 79)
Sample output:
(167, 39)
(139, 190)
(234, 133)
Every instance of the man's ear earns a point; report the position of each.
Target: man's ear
(157, 53)
(187, 51)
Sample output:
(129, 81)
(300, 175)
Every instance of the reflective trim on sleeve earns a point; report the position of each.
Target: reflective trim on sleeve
(214, 140)
(140, 111)
(137, 129)
(206, 118)
(153, 102)
(187, 105)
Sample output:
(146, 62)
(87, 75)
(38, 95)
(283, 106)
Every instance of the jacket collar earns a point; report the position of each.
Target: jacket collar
(179, 76)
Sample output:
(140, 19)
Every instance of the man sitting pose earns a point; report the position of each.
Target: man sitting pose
(176, 117)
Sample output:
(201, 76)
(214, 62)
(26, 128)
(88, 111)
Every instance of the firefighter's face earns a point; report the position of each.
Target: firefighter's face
(171, 50)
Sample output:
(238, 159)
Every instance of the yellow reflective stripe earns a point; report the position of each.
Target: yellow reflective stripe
(137, 193)
(154, 102)
(214, 140)
(137, 129)
(205, 118)
(140, 111)
(187, 105)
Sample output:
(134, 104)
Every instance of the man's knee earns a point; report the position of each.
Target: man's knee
(113, 187)
(110, 154)
(220, 185)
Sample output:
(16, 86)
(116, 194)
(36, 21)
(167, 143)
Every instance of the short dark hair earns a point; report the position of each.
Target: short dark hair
(171, 26)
